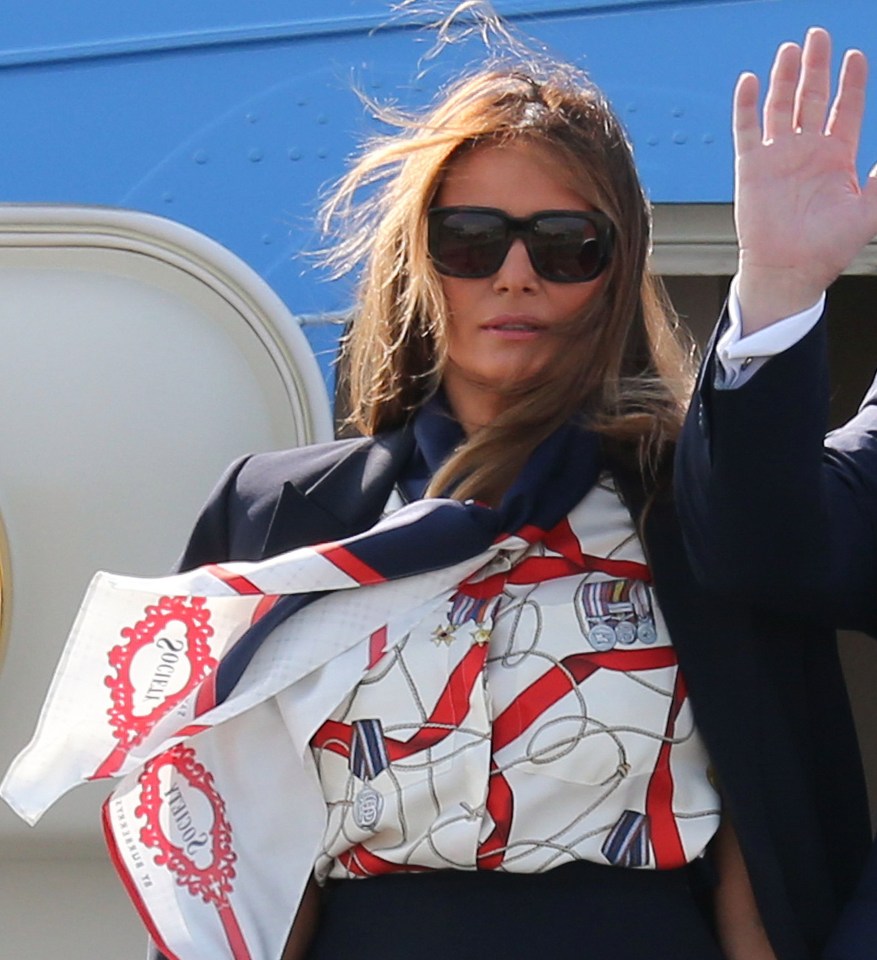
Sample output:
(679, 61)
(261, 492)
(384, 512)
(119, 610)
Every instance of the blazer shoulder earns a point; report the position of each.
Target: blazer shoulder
(264, 501)
(259, 478)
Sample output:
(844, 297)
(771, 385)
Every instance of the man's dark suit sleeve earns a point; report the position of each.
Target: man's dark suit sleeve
(770, 514)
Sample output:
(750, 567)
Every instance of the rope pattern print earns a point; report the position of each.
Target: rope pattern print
(543, 720)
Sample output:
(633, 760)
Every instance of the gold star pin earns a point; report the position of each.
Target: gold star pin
(443, 634)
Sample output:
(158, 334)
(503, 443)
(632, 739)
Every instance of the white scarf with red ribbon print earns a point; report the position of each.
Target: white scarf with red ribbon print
(218, 819)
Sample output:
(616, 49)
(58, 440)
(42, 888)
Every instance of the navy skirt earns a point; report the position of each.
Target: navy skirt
(578, 911)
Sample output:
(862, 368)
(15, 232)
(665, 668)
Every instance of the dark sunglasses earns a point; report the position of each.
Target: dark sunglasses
(565, 246)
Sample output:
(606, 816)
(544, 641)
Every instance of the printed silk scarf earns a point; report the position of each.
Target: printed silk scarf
(202, 691)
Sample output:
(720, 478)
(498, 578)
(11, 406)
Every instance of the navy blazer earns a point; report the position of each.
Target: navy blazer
(767, 692)
(769, 512)
(773, 515)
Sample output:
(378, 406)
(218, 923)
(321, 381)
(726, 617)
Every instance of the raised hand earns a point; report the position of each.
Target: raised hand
(801, 213)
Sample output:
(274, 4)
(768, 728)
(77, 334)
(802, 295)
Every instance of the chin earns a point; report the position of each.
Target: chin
(510, 384)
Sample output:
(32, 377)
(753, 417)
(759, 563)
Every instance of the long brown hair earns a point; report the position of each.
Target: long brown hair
(627, 372)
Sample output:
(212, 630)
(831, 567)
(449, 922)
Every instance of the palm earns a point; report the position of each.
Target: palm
(799, 206)
(799, 201)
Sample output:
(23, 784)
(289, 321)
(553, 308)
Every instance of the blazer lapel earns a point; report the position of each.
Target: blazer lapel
(737, 710)
(321, 504)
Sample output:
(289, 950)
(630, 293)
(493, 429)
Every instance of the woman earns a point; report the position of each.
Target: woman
(510, 348)
(505, 717)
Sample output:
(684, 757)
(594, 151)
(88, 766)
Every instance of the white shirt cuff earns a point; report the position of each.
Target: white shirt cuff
(739, 357)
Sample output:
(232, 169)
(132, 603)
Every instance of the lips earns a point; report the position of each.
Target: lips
(514, 324)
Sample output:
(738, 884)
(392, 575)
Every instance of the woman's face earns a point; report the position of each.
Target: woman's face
(506, 329)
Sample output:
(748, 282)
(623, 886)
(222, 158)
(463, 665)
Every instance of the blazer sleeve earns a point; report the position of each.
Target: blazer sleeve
(773, 512)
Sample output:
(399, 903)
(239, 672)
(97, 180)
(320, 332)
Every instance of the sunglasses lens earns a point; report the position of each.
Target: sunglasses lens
(467, 243)
(566, 249)
(471, 242)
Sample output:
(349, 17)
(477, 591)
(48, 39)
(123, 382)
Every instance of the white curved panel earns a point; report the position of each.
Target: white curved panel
(5, 590)
(137, 359)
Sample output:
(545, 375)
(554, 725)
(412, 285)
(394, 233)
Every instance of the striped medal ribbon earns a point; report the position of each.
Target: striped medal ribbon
(368, 757)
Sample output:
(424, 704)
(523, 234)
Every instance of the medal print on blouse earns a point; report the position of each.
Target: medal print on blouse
(628, 843)
(368, 757)
(615, 611)
(465, 609)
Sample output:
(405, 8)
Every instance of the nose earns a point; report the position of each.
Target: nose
(516, 272)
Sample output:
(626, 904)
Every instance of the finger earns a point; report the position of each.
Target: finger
(779, 104)
(848, 109)
(814, 83)
(747, 130)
